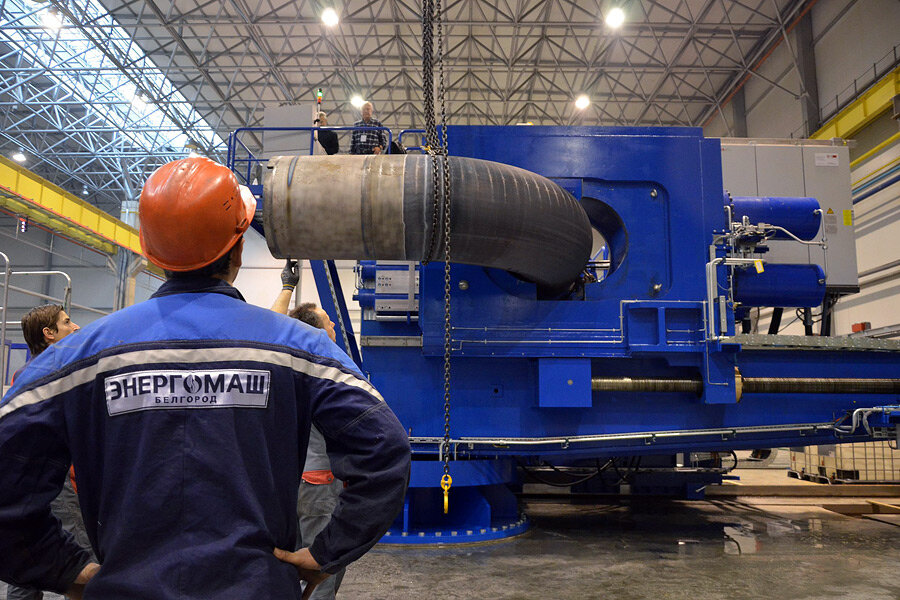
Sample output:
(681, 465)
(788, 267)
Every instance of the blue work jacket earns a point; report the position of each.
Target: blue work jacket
(187, 418)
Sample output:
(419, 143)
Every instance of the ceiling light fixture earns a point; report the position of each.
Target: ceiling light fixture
(139, 102)
(51, 20)
(615, 18)
(582, 102)
(193, 149)
(357, 101)
(19, 156)
(330, 17)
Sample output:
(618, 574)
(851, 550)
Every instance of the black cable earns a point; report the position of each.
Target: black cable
(540, 479)
(584, 479)
(560, 471)
(633, 466)
(734, 466)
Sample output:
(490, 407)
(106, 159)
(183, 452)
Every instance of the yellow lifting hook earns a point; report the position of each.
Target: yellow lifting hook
(446, 482)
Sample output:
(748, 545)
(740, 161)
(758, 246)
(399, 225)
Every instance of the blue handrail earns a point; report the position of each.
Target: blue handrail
(409, 131)
(233, 140)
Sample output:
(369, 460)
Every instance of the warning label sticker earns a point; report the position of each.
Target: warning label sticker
(830, 222)
(827, 159)
(848, 217)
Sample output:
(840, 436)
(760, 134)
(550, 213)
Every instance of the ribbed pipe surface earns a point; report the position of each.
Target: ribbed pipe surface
(753, 385)
(824, 385)
(381, 207)
(630, 384)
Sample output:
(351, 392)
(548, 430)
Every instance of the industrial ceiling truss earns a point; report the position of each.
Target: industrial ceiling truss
(123, 86)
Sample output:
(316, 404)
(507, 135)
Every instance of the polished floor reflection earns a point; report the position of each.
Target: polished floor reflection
(733, 548)
(765, 548)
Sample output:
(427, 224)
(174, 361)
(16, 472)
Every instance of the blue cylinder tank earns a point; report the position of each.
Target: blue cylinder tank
(800, 216)
(780, 285)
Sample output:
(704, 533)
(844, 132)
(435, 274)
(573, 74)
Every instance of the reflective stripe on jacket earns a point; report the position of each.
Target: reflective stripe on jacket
(187, 418)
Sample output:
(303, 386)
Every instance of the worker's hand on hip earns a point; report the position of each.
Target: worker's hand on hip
(290, 275)
(76, 589)
(309, 570)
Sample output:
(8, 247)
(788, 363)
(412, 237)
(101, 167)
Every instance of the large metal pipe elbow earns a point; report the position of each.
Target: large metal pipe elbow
(381, 207)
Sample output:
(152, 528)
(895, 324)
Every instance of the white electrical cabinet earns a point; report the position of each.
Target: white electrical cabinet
(820, 169)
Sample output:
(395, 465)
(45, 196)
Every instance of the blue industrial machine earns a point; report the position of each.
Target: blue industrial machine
(637, 356)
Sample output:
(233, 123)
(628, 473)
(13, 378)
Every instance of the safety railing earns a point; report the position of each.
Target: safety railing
(6, 274)
(7, 287)
(8, 349)
(420, 143)
(237, 163)
(867, 79)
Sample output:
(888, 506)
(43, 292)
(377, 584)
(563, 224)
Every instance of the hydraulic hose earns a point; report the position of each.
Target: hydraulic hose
(381, 208)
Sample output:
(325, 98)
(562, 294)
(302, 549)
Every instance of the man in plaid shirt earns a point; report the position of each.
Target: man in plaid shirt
(368, 142)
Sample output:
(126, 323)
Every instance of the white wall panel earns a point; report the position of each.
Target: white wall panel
(847, 50)
(260, 278)
(847, 43)
(774, 112)
(719, 126)
(877, 244)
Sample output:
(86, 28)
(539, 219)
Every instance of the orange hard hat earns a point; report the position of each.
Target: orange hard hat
(192, 211)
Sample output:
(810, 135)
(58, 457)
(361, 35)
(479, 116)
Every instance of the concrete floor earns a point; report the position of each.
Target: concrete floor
(729, 546)
(786, 549)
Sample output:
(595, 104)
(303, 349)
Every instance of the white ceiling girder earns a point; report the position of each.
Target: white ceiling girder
(673, 63)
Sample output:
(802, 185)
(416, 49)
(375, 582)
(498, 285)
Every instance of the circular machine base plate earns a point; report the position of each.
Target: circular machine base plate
(454, 536)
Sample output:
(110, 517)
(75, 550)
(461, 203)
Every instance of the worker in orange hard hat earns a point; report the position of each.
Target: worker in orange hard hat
(192, 212)
(187, 418)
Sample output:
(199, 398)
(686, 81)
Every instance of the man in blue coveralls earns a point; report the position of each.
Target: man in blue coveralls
(43, 326)
(187, 418)
(319, 489)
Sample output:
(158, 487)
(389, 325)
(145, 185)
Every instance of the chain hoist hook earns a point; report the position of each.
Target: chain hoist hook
(440, 179)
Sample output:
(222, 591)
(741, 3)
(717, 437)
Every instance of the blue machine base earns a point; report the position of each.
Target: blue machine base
(468, 536)
(482, 507)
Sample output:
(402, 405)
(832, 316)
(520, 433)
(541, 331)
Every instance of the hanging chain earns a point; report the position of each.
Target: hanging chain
(446, 193)
(431, 138)
(437, 147)
(428, 71)
(441, 17)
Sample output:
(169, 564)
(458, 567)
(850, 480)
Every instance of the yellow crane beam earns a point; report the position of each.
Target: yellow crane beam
(29, 195)
(862, 111)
